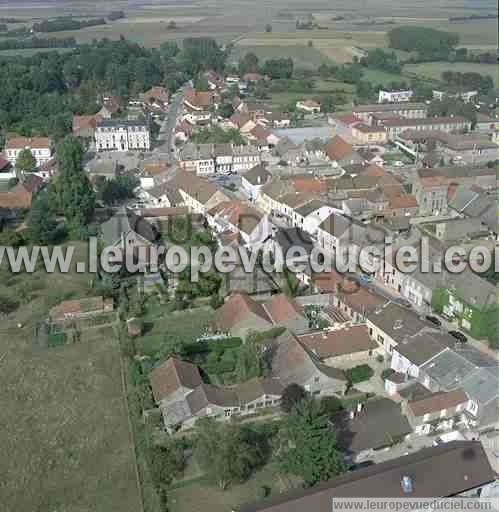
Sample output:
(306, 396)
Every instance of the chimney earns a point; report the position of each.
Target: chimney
(406, 483)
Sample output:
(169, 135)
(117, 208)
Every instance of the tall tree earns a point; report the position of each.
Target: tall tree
(25, 161)
(72, 192)
(41, 221)
(306, 445)
(250, 362)
(227, 453)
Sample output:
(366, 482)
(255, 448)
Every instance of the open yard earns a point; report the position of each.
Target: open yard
(65, 440)
(160, 324)
(201, 496)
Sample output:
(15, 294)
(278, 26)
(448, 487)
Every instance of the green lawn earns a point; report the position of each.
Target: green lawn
(190, 323)
(376, 76)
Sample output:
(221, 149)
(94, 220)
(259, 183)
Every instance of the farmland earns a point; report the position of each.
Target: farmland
(434, 70)
(65, 437)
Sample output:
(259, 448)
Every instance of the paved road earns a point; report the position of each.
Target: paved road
(167, 130)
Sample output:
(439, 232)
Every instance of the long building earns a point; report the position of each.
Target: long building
(122, 135)
(40, 147)
(403, 109)
(395, 127)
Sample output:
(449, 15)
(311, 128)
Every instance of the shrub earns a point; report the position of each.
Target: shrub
(359, 373)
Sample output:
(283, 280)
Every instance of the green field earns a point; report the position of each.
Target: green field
(66, 442)
(303, 56)
(434, 70)
(376, 76)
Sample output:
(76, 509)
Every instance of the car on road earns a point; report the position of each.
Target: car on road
(398, 163)
(434, 320)
(361, 465)
(459, 336)
(405, 302)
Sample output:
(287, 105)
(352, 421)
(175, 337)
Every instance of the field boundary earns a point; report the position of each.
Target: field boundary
(124, 390)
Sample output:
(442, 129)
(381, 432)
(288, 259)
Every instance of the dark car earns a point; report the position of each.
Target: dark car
(434, 320)
(459, 336)
(361, 465)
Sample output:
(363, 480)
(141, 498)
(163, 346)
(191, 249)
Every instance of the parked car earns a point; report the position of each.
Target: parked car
(361, 465)
(459, 336)
(398, 163)
(365, 278)
(434, 320)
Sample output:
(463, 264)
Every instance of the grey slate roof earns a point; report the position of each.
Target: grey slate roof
(441, 471)
(122, 223)
(377, 425)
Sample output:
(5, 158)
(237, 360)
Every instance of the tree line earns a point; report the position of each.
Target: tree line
(38, 42)
(66, 23)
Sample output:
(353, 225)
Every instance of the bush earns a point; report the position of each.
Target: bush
(359, 373)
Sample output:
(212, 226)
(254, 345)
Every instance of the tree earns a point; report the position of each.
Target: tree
(250, 361)
(25, 161)
(279, 68)
(169, 49)
(292, 396)
(248, 64)
(72, 192)
(201, 83)
(228, 453)
(306, 445)
(41, 221)
(359, 373)
(226, 110)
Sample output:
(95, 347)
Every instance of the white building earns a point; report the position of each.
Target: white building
(466, 96)
(122, 135)
(40, 148)
(395, 96)
(245, 158)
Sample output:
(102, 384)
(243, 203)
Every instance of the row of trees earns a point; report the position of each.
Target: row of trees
(37, 42)
(66, 23)
(424, 40)
(469, 80)
(379, 59)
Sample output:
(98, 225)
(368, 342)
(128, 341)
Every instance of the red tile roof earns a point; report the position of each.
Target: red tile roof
(407, 201)
(17, 198)
(436, 402)
(337, 148)
(339, 342)
(235, 309)
(281, 308)
(27, 142)
(172, 375)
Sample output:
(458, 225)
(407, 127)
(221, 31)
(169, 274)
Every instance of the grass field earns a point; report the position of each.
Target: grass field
(434, 70)
(303, 56)
(65, 441)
